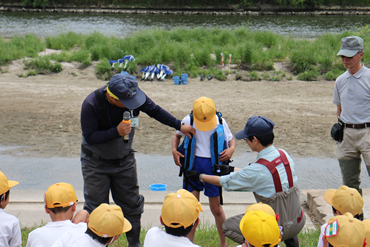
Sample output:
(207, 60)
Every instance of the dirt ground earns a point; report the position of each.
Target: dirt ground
(40, 115)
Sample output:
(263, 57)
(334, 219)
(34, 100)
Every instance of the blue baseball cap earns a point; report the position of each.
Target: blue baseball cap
(256, 126)
(125, 88)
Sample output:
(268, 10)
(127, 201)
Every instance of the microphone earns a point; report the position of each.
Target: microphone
(126, 119)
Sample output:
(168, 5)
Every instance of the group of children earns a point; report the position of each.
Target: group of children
(179, 216)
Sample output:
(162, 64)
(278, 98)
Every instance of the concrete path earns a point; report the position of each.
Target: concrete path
(28, 206)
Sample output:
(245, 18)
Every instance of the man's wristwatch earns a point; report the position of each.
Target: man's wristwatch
(200, 178)
(182, 123)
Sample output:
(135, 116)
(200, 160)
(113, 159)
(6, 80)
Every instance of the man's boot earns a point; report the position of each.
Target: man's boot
(133, 237)
(351, 170)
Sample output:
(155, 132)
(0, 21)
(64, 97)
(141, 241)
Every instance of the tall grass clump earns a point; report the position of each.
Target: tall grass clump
(65, 41)
(19, 47)
(42, 65)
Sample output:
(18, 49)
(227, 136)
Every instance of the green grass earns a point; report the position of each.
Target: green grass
(206, 235)
(189, 51)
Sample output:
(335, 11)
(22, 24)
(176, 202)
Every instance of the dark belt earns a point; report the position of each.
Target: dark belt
(97, 157)
(357, 126)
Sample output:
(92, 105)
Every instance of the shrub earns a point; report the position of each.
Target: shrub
(309, 75)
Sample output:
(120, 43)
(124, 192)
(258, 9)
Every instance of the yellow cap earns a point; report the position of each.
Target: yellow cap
(204, 112)
(261, 207)
(180, 209)
(345, 231)
(60, 195)
(260, 228)
(367, 230)
(107, 221)
(345, 199)
(5, 184)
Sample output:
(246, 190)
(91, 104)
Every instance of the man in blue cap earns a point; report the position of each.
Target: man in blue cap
(352, 98)
(271, 178)
(107, 157)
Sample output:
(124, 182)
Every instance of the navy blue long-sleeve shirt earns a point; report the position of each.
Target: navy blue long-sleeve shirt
(90, 118)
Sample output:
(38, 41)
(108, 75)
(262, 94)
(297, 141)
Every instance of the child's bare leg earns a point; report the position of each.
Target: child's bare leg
(218, 213)
(192, 233)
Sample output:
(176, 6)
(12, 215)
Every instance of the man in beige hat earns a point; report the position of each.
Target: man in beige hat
(10, 230)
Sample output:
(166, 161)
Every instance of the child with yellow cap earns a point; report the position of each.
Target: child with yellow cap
(210, 148)
(60, 204)
(260, 229)
(344, 231)
(180, 214)
(342, 200)
(105, 224)
(10, 229)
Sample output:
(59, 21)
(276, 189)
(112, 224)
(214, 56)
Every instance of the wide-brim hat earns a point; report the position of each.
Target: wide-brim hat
(125, 88)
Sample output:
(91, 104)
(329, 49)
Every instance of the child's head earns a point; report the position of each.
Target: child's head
(60, 199)
(344, 230)
(344, 200)
(204, 113)
(5, 186)
(180, 212)
(260, 229)
(106, 223)
(262, 207)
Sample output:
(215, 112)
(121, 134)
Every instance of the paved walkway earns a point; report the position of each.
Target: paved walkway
(28, 206)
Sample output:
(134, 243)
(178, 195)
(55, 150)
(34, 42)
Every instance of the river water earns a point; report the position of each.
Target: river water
(121, 25)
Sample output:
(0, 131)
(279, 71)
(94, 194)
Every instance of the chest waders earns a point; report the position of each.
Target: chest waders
(187, 148)
(286, 204)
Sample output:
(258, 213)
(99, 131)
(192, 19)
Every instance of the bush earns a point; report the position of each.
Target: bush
(42, 65)
(310, 75)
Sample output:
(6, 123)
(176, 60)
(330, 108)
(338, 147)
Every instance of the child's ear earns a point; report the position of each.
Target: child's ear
(47, 210)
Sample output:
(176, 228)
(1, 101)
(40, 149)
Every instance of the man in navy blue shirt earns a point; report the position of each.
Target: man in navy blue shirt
(107, 157)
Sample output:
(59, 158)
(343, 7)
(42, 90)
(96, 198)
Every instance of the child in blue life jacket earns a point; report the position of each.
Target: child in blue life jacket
(207, 151)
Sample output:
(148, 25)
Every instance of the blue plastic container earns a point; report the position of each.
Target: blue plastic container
(184, 79)
(176, 80)
(158, 187)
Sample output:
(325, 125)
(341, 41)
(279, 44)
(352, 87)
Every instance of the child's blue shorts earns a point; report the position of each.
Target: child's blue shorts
(204, 165)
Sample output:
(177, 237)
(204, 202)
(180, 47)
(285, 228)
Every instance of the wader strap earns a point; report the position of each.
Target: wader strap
(287, 168)
(103, 125)
(275, 174)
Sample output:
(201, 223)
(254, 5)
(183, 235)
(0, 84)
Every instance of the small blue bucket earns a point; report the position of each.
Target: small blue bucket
(184, 79)
(176, 80)
(158, 187)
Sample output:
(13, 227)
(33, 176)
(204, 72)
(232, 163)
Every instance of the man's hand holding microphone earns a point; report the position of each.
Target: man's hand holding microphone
(124, 127)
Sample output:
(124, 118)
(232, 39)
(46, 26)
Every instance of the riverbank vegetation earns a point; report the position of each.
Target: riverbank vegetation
(205, 236)
(193, 51)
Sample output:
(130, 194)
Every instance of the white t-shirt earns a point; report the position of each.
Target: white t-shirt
(76, 239)
(47, 235)
(155, 237)
(321, 243)
(10, 230)
(203, 138)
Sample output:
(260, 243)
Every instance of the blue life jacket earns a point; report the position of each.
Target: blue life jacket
(218, 144)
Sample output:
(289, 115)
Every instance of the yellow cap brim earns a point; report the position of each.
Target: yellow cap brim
(126, 226)
(12, 183)
(328, 196)
(206, 126)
